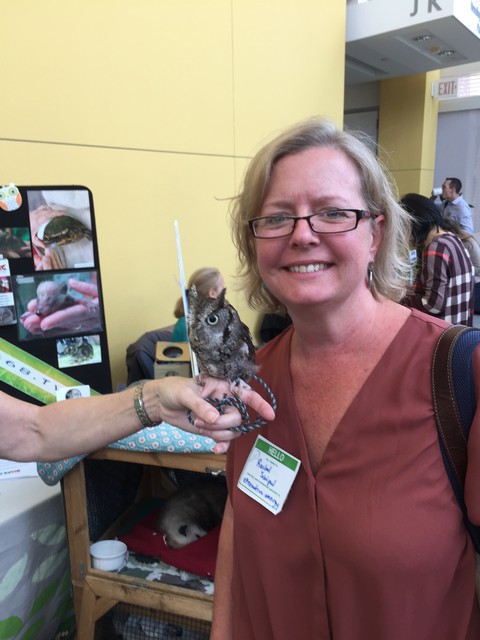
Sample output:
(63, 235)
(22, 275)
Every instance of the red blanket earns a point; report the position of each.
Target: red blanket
(198, 557)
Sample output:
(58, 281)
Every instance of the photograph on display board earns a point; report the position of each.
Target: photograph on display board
(15, 242)
(5, 285)
(7, 316)
(57, 304)
(7, 308)
(78, 350)
(61, 229)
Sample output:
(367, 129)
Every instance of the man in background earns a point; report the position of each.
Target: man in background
(454, 206)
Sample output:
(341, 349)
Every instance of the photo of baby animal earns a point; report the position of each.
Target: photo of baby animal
(57, 304)
(75, 351)
(52, 297)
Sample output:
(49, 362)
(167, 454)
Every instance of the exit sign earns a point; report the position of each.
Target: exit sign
(445, 89)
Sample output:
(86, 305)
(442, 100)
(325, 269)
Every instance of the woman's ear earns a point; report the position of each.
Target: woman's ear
(377, 234)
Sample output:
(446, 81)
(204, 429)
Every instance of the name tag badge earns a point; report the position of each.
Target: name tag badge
(268, 475)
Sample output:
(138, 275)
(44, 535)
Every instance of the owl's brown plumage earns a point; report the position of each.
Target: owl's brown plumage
(221, 341)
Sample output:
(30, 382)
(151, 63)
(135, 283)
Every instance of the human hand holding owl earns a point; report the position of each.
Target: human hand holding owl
(176, 394)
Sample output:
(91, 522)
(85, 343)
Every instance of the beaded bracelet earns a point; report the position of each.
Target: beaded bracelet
(140, 407)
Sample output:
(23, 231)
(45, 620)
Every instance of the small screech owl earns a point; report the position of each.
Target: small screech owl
(222, 343)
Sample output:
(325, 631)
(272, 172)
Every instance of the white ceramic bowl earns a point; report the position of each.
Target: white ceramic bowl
(109, 555)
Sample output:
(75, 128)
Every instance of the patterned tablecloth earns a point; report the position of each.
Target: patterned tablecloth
(161, 438)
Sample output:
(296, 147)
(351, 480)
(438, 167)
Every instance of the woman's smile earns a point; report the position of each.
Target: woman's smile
(307, 267)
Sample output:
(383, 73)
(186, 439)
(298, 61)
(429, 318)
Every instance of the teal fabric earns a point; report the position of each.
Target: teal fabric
(180, 330)
(163, 438)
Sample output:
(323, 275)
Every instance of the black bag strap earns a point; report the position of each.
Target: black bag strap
(454, 403)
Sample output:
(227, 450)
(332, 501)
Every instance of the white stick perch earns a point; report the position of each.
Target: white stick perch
(183, 285)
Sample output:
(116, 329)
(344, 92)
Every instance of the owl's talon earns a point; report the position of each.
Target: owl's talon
(238, 385)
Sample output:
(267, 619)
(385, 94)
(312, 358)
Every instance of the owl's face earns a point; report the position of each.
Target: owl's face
(10, 198)
(207, 317)
(222, 343)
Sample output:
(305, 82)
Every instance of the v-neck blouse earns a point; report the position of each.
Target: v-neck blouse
(373, 547)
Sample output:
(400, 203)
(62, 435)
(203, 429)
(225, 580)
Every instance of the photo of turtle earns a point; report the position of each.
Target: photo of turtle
(61, 229)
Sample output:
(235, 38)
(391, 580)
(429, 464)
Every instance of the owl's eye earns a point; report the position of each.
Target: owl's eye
(12, 191)
(212, 319)
(2, 195)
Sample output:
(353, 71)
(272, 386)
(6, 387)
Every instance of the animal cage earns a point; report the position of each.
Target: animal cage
(128, 622)
(126, 604)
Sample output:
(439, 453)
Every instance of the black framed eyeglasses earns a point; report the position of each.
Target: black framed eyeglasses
(331, 221)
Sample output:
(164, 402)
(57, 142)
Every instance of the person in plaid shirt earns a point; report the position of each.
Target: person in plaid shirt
(444, 281)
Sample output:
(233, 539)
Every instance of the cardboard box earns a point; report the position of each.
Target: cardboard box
(172, 359)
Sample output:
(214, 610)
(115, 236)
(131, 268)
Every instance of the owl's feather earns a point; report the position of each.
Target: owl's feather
(221, 341)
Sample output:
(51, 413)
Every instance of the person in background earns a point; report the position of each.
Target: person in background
(473, 248)
(370, 542)
(444, 282)
(454, 206)
(209, 283)
(29, 433)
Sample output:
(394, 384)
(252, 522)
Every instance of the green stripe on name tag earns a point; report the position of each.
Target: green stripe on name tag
(278, 454)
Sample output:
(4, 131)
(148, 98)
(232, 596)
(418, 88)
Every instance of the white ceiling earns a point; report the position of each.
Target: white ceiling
(375, 50)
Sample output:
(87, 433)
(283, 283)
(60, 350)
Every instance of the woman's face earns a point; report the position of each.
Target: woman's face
(307, 268)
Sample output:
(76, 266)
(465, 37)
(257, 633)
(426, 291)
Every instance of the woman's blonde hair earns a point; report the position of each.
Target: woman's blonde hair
(391, 270)
(205, 279)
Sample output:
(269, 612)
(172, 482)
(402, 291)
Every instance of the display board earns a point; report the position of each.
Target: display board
(52, 322)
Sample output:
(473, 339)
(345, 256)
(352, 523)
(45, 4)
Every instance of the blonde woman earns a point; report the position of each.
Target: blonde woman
(370, 542)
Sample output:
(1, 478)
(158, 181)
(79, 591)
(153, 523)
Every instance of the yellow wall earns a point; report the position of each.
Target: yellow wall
(407, 131)
(156, 106)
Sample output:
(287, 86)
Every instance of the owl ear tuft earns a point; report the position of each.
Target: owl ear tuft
(192, 293)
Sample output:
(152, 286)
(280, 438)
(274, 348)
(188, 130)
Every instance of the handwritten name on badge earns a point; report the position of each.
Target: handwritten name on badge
(268, 475)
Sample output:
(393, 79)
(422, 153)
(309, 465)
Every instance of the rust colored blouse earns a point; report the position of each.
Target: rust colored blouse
(373, 547)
